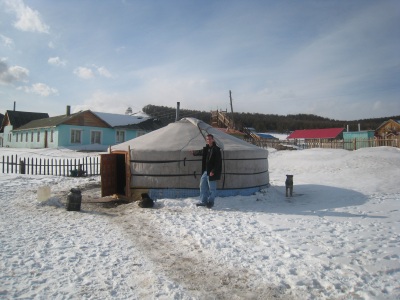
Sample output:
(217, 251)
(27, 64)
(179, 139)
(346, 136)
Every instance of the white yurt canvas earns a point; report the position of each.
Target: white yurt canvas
(161, 162)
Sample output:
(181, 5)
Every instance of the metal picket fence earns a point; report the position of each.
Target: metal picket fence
(86, 166)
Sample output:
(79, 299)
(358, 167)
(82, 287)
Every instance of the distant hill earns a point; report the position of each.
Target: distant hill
(268, 122)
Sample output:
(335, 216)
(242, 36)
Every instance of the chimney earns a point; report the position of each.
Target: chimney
(359, 127)
(14, 105)
(177, 111)
(68, 110)
(347, 128)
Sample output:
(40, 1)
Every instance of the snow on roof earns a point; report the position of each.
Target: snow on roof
(120, 120)
(328, 133)
(140, 114)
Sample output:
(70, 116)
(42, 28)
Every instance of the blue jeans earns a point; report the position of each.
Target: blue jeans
(208, 189)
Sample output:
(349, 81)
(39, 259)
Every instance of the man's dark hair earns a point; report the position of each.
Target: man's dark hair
(210, 135)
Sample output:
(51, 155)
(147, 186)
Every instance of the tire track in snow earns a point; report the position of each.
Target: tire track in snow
(186, 264)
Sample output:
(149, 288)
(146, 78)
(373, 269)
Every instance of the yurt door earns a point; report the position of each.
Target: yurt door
(108, 173)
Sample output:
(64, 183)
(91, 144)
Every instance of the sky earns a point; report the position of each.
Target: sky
(335, 59)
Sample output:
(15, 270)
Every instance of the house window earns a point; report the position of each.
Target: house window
(38, 137)
(76, 136)
(9, 137)
(95, 137)
(22, 137)
(16, 138)
(120, 136)
(26, 137)
(32, 137)
(51, 135)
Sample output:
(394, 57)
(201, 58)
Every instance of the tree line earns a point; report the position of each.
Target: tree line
(267, 122)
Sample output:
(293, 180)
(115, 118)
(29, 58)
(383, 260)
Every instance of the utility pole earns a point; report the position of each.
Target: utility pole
(233, 122)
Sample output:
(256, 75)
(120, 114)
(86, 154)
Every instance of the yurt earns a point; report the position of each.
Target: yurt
(161, 163)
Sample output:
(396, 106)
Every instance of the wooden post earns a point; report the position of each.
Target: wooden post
(128, 173)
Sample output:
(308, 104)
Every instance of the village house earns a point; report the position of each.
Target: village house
(85, 130)
(388, 130)
(14, 119)
(316, 136)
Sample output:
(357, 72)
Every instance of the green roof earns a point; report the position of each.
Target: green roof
(47, 122)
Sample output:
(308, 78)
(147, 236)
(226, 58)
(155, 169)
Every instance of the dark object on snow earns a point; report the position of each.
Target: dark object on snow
(74, 200)
(78, 172)
(289, 185)
(22, 166)
(146, 201)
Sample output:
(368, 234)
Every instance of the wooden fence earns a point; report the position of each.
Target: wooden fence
(86, 166)
(334, 144)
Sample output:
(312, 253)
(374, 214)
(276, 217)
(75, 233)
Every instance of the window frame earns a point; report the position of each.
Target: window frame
(74, 138)
(117, 136)
(94, 135)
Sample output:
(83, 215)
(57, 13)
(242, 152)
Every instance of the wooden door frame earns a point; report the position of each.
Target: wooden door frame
(127, 170)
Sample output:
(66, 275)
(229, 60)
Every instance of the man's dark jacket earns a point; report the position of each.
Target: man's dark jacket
(211, 161)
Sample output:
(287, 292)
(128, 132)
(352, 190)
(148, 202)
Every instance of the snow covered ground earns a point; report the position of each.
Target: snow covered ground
(337, 238)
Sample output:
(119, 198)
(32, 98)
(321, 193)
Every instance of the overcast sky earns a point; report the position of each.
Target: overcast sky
(338, 59)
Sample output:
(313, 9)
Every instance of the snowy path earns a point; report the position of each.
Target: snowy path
(201, 274)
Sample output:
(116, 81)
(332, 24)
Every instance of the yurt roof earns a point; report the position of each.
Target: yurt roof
(185, 134)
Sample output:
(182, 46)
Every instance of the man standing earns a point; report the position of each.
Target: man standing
(211, 167)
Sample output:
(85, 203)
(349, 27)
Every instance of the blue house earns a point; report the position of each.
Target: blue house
(85, 130)
(14, 119)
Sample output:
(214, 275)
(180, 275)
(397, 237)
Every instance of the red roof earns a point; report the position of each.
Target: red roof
(328, 133)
